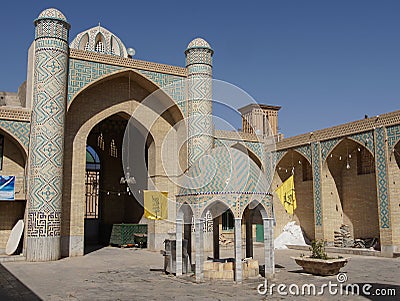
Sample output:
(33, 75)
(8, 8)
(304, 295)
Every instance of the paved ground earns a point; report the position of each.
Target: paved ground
(124, 274)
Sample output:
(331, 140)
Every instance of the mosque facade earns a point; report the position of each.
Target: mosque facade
(63, 137)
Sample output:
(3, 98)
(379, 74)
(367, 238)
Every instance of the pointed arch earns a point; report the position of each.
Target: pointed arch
(100, 43)
(15, 140)
(158, 102)
(115, 47)
(84, 42)
(350, 181)
(244, 149)
(296, 162)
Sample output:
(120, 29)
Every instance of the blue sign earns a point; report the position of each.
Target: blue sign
(7, 188)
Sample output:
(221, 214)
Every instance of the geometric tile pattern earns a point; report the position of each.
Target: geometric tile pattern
(277, 156)
(17, 129)
(199, 56)
(82, 73)
(52, 13)
(316, 167)
(269, 169)
(327, 146)
(305, 150)
(381, 177)
(47, 129)
(230, 177)
(393, 136)
(199, 99)
(225, 171)
(365, 139)
(257, 148)
(173, 85)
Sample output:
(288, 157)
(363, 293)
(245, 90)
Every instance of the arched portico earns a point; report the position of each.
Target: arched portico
(349, 187)
(293, 162)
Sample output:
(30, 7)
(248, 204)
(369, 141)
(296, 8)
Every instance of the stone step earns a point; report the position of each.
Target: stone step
(11, 258)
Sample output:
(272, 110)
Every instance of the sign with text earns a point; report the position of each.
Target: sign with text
(155, 204)
(7, 188)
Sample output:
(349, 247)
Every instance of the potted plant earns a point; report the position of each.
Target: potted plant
(318, 263)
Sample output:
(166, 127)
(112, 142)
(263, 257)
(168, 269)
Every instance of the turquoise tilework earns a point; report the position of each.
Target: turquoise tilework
(393, 136)
(18, 129)
(316, 166)
(365, 139)
(82, 73)
(277, 156)
(381, 168)
(305, 150)
(225, 171)
(327, 146)
(47, 136)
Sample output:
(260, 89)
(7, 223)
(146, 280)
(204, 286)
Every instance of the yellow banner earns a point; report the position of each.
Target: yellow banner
(287, 195)
(155, 204)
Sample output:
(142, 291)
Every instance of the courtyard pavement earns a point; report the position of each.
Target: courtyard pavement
(134, 274)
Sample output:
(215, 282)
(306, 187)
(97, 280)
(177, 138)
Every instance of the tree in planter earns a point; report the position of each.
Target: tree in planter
(318, 262)
(318, 250)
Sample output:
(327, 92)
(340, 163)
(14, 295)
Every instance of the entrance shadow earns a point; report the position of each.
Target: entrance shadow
(13, 289)
(92, 248)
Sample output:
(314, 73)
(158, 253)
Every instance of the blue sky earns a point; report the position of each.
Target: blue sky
(324, 62)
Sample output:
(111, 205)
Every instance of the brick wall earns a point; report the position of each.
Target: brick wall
(12, 211)
(394, 193)
(360, 204)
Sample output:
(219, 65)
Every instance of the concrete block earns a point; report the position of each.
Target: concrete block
(228, 266)
(252, 264)
(208, 266)
(228, 275)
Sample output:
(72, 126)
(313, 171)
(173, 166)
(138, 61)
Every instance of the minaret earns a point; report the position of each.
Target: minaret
(200, 123)
(46, 145)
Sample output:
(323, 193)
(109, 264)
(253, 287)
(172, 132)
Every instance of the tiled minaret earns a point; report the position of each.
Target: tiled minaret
(46, 144)
(200, 125)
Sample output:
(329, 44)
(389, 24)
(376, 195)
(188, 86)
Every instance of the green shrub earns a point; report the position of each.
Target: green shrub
(318, 250)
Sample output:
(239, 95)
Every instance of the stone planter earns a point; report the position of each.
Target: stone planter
(322, 267)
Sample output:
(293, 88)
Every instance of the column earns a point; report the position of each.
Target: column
(199, 99)
(269, 257)
(317, 170)
(178, 252)
(249, 234)
(46, 145)
(386, 235)
(216, 237)
(238, 250)
(199, 223)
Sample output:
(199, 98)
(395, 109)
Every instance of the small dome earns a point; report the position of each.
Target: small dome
(222, 171)
(198, 43)
(98, 39)
(52, 13)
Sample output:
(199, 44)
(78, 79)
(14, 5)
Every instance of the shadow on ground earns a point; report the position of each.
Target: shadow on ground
(92, 248)
(12, 289)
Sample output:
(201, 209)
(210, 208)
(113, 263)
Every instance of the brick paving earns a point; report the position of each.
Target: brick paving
(124, 274)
